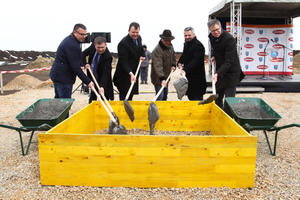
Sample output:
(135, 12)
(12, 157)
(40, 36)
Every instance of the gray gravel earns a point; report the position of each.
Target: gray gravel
(277, 177)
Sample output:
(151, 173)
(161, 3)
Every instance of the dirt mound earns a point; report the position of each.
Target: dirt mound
(23, 82)
(40, 62)
(45, 84)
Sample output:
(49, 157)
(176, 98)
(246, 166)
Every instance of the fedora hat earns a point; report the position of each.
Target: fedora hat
(167, 35)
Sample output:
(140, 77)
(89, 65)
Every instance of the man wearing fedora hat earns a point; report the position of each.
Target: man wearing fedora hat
(163, 61)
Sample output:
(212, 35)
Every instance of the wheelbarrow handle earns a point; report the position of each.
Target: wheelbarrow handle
(103, 104)
(131, 86)
(161, 89)
(103, 96)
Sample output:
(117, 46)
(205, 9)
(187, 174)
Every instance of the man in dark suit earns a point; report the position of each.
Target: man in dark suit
(99, 59)
(224, 52)
(192, 64)
(130, 52)
(67, 63)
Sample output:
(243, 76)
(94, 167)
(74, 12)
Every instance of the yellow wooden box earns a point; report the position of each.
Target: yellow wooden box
(71, 154)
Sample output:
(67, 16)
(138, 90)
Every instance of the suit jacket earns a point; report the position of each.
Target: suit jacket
(129, 55)
(193, 60)
(67, 62)
(103, 69)
(227, 61)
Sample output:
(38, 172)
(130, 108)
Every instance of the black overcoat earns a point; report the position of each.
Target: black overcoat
(103, 69)
(129, 55)
(193, 60)
(227, 61)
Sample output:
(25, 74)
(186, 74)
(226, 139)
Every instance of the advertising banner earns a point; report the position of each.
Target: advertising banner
(266, 49)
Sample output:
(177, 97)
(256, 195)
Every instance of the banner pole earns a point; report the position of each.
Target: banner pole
(1, 82)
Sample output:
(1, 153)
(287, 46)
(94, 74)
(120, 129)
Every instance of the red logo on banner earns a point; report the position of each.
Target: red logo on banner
(263, 39)
(290, 67)
(279, 31)
(291, 53)
(277, 46)
(291, 39)
(249, 31)
(262, 67)
(262, 53)
(249, 46)
(280, 59)
(248, 59)
(228, 29)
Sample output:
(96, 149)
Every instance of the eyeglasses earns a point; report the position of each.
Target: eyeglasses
(82, 34)
(215, 30)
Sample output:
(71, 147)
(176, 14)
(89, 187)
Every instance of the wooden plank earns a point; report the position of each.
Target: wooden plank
(146, 161)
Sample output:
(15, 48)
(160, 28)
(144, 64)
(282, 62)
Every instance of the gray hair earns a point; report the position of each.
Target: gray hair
(213, 22)
(99, 40)
(189, 29)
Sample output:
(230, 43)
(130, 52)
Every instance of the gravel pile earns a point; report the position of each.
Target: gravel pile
(156, 132)
(277, 177)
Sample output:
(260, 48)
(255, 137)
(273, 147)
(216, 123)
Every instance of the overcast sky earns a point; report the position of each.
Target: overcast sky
(42, 25)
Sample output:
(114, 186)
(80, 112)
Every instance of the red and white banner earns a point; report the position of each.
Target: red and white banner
(266, 49)
(25, 70)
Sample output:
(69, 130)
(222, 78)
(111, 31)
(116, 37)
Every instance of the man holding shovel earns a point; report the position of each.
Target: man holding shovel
(228, 71)
(163, 61)
(67, 63)
(99, 59)
(130, 52)
(192, 64)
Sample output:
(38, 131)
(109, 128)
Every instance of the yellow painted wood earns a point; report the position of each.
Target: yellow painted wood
(71, 154)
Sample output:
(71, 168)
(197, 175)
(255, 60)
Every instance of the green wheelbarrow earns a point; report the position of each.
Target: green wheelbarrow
(256, 114)
(40, 116)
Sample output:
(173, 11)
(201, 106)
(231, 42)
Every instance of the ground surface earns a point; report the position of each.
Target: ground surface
(277, 177)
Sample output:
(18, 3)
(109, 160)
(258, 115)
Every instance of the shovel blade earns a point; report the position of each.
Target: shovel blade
(129, 110)
(181, 86)
(116, 128)
(210, 99)
(153, 116)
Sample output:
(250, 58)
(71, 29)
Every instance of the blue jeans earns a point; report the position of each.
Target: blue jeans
(62, 90)
(163, 95)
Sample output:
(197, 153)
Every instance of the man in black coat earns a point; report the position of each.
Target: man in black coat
(224, 52)
(99, 59)
(130, 52)
(67, 63)
(192, 64)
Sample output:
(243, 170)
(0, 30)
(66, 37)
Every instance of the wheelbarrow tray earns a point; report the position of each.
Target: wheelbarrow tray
(264, 121)
(52, 120)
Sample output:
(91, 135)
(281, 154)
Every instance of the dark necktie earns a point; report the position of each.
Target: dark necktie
(95, 63)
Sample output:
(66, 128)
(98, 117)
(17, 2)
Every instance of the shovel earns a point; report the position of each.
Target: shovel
(181, 86)
(114, 127)
(214, 95)
(103, 96)
(153, 114)
(129, 110)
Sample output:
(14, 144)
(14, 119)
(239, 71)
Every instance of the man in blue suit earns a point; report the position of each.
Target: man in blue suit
(67, 63)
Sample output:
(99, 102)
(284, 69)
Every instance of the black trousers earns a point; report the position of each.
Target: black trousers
(227, 92)
(195, 97)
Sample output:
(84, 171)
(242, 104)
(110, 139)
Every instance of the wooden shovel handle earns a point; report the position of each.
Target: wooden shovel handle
(161, 89)
(103, 96)
(212, 81)
(131, 86)
(103, 104)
